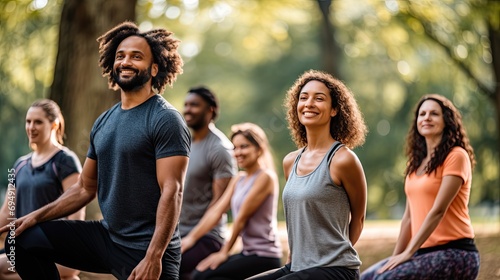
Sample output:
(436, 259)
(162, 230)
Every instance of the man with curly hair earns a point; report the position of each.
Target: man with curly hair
(135, 164)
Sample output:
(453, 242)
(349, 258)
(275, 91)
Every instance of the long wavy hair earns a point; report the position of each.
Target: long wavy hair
(453, 135)
(163, 47)
(348, 126)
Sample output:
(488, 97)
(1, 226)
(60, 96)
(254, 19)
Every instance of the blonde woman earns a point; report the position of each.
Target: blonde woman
(42, 175)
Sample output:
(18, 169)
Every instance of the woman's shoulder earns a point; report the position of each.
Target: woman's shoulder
(22, 160)
(458, 150)
(65, 152)
(290, 157)
(268, 174)
(345, 156)
(66, 156)
(457, 154)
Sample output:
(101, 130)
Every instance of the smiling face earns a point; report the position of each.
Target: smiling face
(38, 127)
(197, 112)
(247, 154)
(314, 106)
(430, 120)
(133, 66)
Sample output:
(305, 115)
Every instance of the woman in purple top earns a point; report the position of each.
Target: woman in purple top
(252, 196)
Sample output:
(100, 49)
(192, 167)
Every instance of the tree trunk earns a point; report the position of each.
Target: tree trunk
(494, 36)
(330, 51)
(78, 85)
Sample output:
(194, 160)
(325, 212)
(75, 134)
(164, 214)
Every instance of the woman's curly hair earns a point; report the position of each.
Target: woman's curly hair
(163, 47)
(348, 126)
(453, 135)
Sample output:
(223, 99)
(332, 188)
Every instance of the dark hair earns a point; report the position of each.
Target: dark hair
(53, 113)
(347, 126)
(163, 48)
(453, 135)
(208, 96)
(256, 135)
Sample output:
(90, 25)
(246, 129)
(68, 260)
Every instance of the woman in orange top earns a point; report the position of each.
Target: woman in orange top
(436, 236)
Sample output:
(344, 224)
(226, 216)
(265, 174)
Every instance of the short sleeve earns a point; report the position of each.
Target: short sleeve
(457, 163)
(171, 135)
(223, 164)
(67, 164)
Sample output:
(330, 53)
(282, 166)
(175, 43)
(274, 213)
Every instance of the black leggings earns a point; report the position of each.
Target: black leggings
(238, 267)
(316, 273)
(82, 245)
(192, 257)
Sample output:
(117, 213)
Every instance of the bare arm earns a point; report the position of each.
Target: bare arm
(66, 184)
(264, 185)
(288, 161)
(210, 218)
(218, 187)
(4, 211)
(404, 232)
(170, 172)
(447, 192)
(346, 170)
(76, 197)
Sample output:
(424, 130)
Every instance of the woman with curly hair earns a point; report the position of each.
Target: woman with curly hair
(436, 235)
(325, 193)
(135, 165)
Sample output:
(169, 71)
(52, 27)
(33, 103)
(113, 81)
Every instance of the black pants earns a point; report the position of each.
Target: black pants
(82, 245)
(238, 267)
(202, 249)
(316, 273)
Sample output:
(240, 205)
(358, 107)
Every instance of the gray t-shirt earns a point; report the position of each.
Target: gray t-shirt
(126, 145)
(211, 158)
(317, 217)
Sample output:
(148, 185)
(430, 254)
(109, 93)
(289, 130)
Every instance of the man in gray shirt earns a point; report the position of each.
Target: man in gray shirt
(211, 167)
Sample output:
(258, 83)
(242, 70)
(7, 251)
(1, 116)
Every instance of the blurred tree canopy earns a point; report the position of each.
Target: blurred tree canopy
(389, 53)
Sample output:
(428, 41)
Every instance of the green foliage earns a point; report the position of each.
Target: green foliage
(27, 49)
(250, 52)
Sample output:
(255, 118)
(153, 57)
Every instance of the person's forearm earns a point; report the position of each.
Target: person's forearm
(78, 215)
(209, 220)
(404, 236)
(68, 203)
(428, 226)
(238, 226)
(355, 228)
(167, 216)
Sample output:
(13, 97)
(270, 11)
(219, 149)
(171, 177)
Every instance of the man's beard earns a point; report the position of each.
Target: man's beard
(138, 81)
(197, 124)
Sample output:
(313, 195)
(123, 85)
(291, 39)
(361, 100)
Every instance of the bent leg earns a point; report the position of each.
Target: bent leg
(443, 264)
(239, 267)
(371, 272)
(7, 271)
(75, 244)
(192, 257)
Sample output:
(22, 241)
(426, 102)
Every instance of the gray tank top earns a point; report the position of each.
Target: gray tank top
(317, 216)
